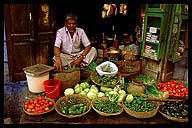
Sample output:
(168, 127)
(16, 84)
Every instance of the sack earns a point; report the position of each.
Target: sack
(107, 68)
(68, 78)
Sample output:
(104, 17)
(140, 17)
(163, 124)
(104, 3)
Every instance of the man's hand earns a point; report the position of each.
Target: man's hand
(78, 61)
(58, 64)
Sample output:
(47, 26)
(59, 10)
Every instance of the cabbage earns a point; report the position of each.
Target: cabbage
(101, 94)
(109, 89)
(68, 91)
(83, 93)
(104, 89)
(91, 95)
(87, 84)
(120, 98)
(129, 98)
(86, 90)
(93, 90)
(78, 89)
(76, 86)
(94, 87)
(83, 85)
(122, 92)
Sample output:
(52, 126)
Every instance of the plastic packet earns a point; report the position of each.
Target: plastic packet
(107, 68)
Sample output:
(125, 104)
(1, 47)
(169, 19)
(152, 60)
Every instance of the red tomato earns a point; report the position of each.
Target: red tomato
(50, 102)
(47, 101)
(26, 107)
(47, 109)
(28, 110)
(27, 102)
(40, 98)
(38, 105)
(41, 103)
(31, 101)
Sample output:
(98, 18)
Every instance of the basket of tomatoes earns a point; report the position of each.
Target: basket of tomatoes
(38, 106)
(174, 88)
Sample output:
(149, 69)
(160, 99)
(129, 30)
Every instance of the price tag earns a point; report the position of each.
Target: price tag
(153, 30)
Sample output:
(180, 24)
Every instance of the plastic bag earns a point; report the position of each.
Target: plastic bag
(107, 68)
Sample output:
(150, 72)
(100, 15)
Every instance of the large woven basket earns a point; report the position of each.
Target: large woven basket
(67, 78)
(173, 118)
(102, 113)
(64, 98)
(141, 115)
(37, 114)
(92, 76)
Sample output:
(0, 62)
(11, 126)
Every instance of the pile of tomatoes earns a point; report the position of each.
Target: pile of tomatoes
(174, 88)
(38, 105)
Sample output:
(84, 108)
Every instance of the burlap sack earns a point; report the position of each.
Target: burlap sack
(68, 78)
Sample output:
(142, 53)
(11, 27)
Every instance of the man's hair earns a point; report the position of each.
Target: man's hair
(71, 16)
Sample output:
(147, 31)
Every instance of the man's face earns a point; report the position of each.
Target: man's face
(71, 25)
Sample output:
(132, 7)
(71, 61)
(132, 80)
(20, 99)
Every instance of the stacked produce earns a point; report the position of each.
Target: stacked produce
(175, 109)
(107, 106)
(138, 104)
(38, 105)
(173, 88)
(73, 106)
(104, 80)
(114, 94)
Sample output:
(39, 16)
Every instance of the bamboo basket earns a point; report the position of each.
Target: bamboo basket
(102, 113)
(173, 118)
(92, 76)
(58, 107)
(37, 114)
(141, 115)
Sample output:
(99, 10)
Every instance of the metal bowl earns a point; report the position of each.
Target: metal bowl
(113, 53)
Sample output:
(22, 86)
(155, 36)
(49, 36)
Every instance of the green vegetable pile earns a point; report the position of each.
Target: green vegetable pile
(107, 106)
(104, 80)
(73, 106)
(138, 104)
(175, 109)
(149, 84)
(92, 67)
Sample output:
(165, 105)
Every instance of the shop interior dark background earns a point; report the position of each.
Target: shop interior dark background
(90, 18)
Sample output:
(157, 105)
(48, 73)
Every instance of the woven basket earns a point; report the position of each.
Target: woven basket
(67, 78)
(173, 118)
(37, 114)
(102, 113)
(58, 107)
(92, 76)
(141, 115)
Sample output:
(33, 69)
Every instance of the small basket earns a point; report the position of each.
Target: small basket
(173, 118)
(37, 114)
(92, 76)
(58, 109)
(102, 113)
(141, 115)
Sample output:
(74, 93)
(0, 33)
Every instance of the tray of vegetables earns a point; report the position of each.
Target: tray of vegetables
(104, 80)
(136, 106)
(73, 106)
(38, 106)
(175, 111)
(103, 106)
